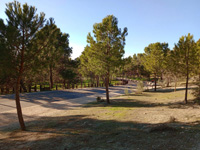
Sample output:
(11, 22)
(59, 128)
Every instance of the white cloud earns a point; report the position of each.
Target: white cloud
(77, 50)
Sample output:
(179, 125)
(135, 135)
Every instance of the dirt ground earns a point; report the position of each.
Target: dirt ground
(150, 121)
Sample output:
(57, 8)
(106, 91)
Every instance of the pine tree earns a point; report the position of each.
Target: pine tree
(186, 56)
(56, 47)
(197, 71)
(105, 50)
(6, 65)
(22, 26)
(172, 69)
(153, 59)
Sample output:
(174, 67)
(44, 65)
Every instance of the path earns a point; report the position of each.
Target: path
(41, 103)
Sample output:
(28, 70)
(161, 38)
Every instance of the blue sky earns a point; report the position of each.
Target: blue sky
(148, 21)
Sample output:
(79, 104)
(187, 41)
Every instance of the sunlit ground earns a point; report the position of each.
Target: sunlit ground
(148, 121)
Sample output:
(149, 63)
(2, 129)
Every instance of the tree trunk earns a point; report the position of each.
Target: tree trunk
(186, 88)
(68, 85)
(64, 82)
(18, 106)
(138, 72)
(175, 84)
(107, 90)
(97, 81)
(155, 81)
(17, 98)
(51, 76)
(23, 86)
(187, 74)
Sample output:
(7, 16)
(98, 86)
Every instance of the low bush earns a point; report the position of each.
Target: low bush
(140, 87)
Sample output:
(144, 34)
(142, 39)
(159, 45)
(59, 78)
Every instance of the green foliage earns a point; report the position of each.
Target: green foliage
(41, 47)
(68, 75)
(69, 70)
(86, 68)
(185, 55)
(197, 68)
(20, 34)
(127, 65)
(133, 67)
(105, 49)
(57, 44)
(56, 47)
(172, 66)
(6, 65)
(154, 57)
(196, 91)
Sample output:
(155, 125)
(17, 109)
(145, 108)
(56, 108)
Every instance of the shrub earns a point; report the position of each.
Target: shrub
(126, 91)
(140, 87)
(172, 119)
(98, 98)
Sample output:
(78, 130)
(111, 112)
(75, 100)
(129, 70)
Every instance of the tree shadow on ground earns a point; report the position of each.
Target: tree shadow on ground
(49, 96)
(120, 103)
(138, 103)
(50, 99)
(83, 132)
(166, 90)
(11, 120)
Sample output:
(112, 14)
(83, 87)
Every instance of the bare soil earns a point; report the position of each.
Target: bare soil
(149, 121)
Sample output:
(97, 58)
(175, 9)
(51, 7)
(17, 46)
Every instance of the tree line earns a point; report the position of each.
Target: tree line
(159, 61)
(31, 47)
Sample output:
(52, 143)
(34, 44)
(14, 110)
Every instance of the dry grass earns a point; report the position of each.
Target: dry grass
(152, 120)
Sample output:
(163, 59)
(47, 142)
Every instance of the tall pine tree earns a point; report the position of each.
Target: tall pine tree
(105, 49)
(154, 57)
(20, 33)
(186, 56)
